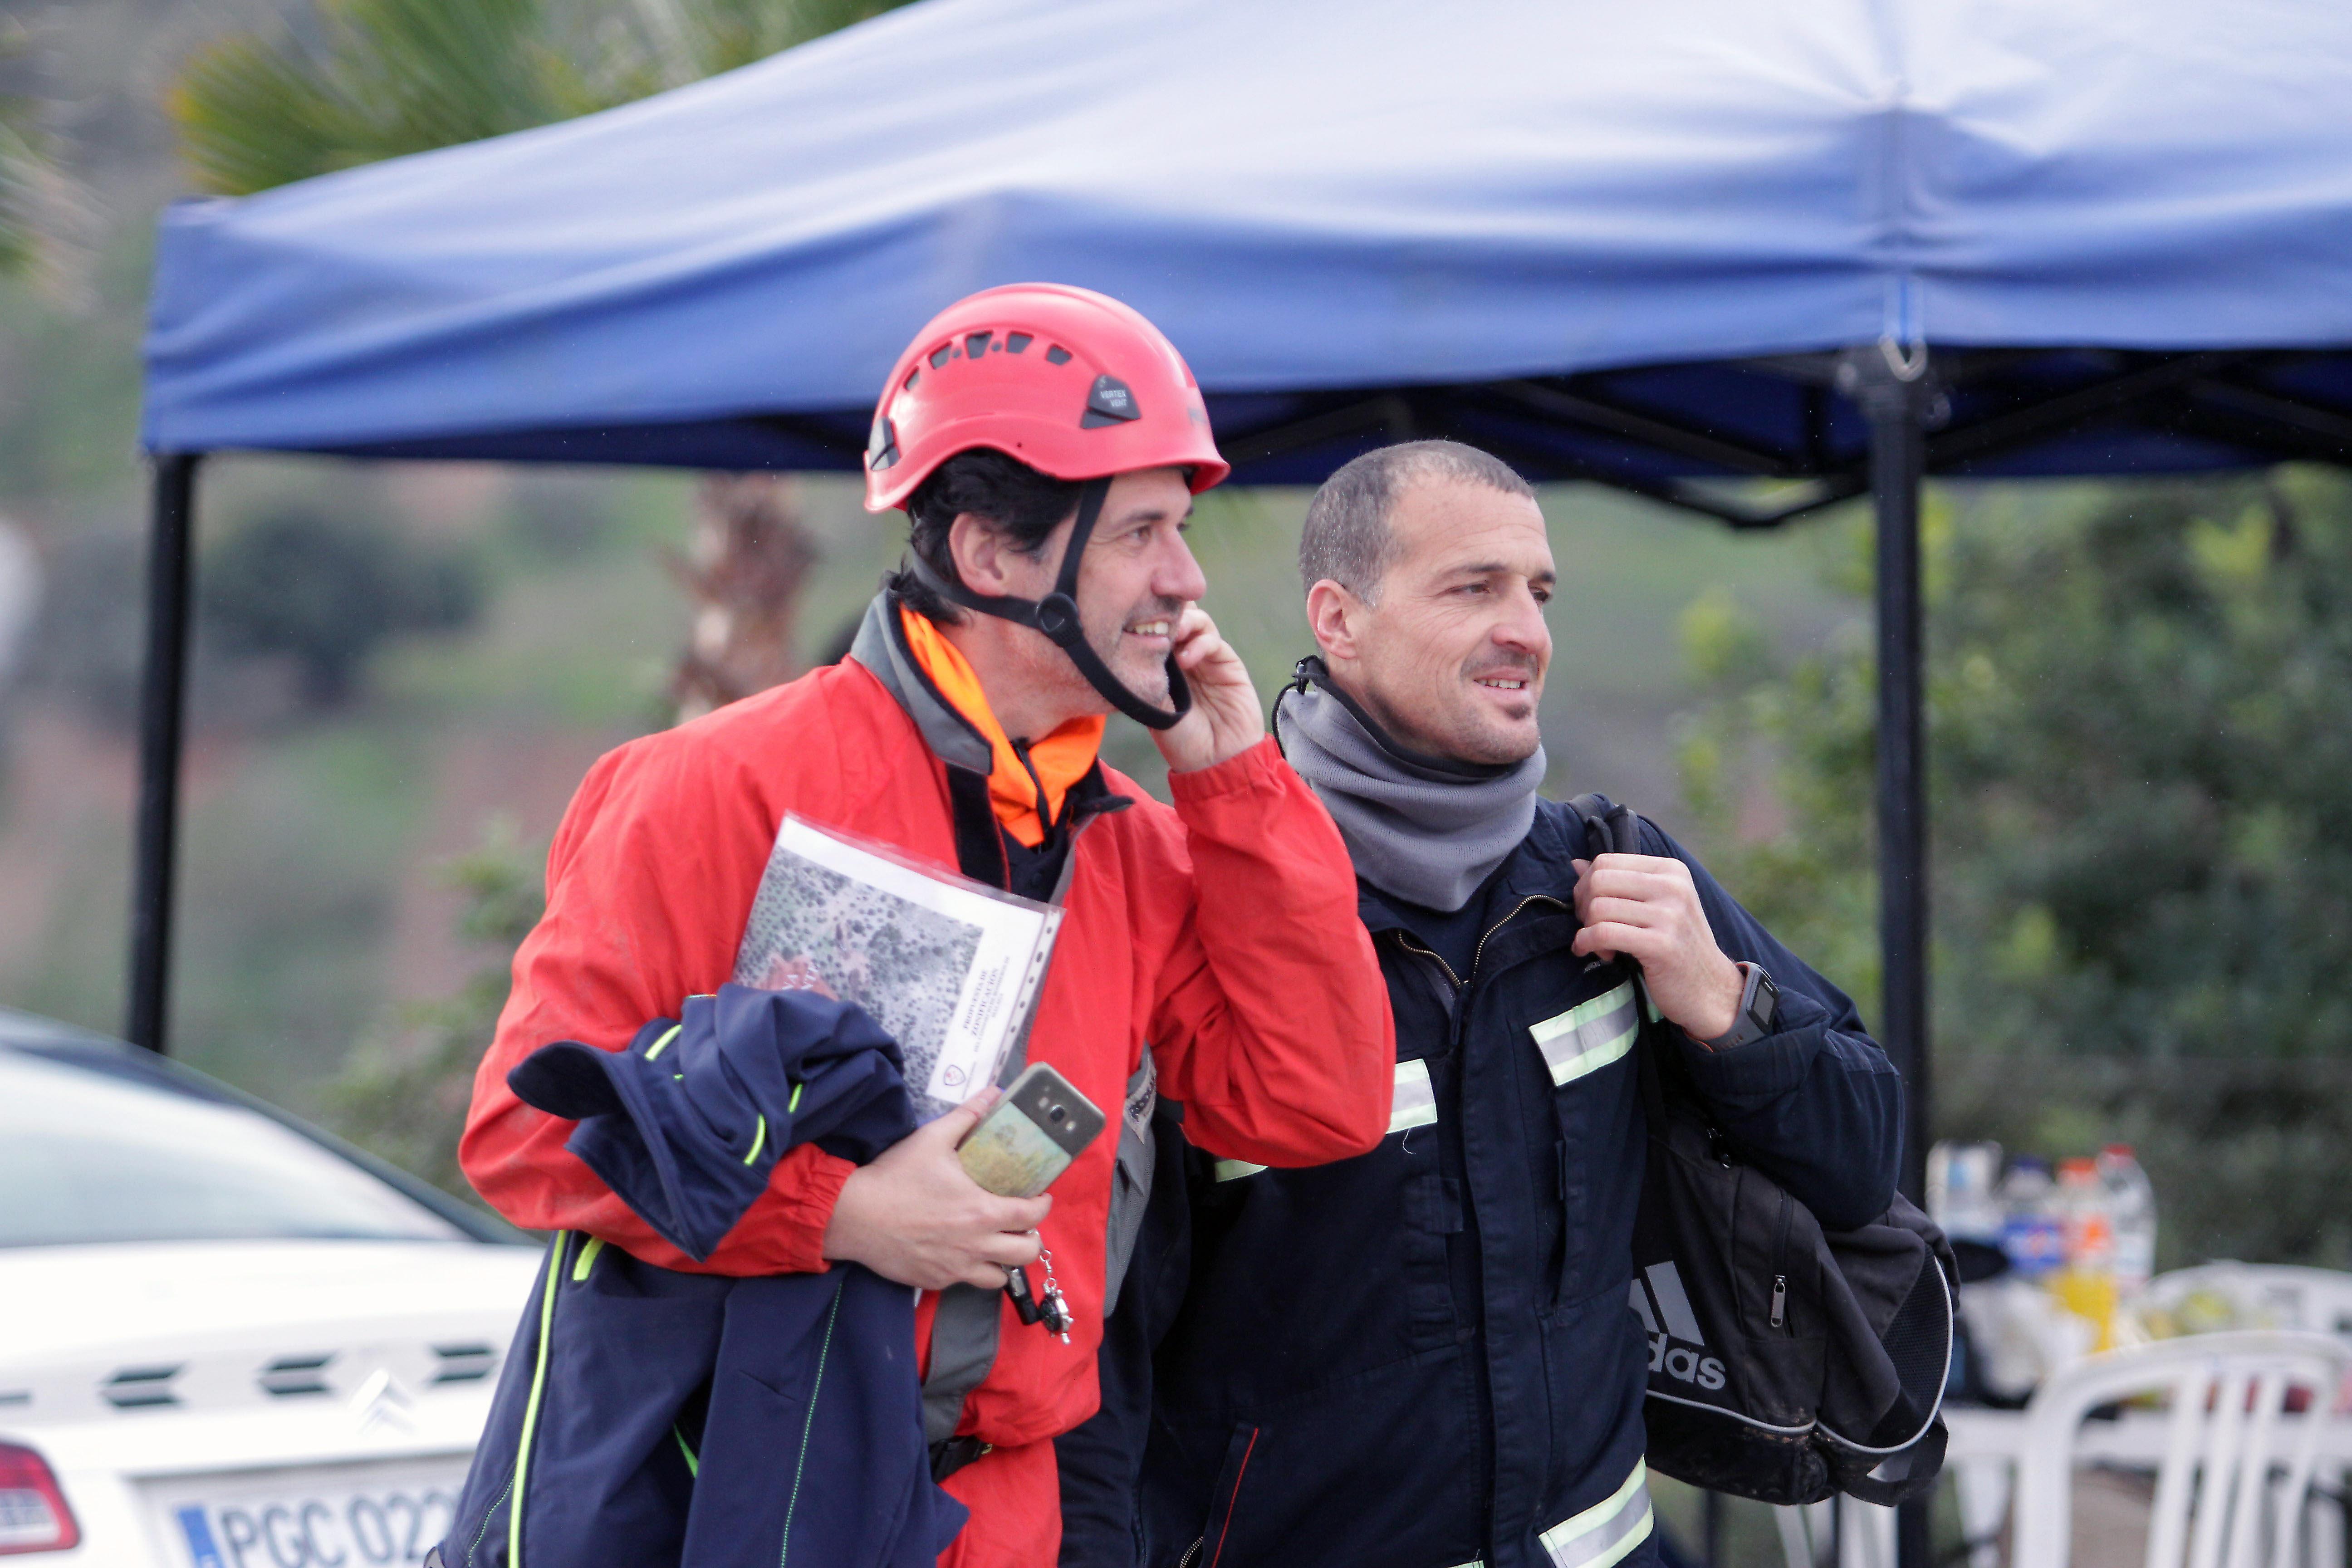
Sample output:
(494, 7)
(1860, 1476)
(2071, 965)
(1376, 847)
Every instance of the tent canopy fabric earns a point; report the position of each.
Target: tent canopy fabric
(1604, 239)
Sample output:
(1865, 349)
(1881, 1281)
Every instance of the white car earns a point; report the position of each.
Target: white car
(226, 1339)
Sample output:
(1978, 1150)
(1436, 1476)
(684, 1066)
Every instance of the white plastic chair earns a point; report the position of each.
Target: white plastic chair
(2272, 1295)
(1843, 1532)
(2234, 1469)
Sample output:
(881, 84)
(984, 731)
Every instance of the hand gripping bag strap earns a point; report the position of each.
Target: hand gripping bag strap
(1790, 1423)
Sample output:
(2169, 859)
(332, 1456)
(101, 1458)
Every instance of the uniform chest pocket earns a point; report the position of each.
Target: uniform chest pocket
(1431, 1203)
(1585, 1039)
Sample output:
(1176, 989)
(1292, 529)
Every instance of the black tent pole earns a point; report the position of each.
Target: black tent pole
(1891, 385)
(162, 705)
(1895, 407)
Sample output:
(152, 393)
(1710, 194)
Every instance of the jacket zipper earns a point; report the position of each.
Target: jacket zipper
(1781, 1262)
(1480, 951)
(1405, 940)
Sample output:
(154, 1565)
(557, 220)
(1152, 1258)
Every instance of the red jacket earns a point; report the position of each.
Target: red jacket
(1223, 932)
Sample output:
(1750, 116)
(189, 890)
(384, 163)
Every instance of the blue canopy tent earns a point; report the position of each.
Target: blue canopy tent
(1666, 247)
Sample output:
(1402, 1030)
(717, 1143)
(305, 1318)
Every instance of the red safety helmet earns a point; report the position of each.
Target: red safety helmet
(1071, 382)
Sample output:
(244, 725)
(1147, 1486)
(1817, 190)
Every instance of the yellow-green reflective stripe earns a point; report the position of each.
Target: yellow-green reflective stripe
(662, 1044)
(693, 1464)
(795, 1103)
(759, 1141)
(1413, 1104)
(1235, 1170)
(799, 1467)
(1607, 1530)
(1589, 1035)
(587, 1259)
(531, 1409)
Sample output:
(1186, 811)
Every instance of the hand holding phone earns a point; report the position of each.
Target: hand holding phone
(914, 1216)
(1029, 1137)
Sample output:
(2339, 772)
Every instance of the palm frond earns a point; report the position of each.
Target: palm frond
(388, 77)
(252, 115)
(391, 77)
(44, 214)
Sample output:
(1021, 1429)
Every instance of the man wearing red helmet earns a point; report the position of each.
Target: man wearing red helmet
(1046, 443)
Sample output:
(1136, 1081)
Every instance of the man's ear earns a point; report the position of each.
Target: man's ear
(1336, 617)
(980, 552)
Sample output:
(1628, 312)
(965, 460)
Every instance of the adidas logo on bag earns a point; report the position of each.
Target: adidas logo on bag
(1664, 1300)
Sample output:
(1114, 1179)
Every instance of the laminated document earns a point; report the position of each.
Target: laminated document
(949, 967)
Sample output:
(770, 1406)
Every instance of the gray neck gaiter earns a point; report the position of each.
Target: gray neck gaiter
(1428, 830)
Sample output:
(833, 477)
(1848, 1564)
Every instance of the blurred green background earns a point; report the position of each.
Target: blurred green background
(2142, 777)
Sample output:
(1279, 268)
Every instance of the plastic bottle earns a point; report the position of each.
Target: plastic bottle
(2131, 1201)
(2087, 1284)
(1960, 1195)
(2031, 1234)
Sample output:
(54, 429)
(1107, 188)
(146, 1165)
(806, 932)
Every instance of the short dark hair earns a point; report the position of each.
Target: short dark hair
(1347, 537)
(1017, 500)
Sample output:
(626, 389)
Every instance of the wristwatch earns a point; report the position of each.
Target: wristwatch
(1760, 1003)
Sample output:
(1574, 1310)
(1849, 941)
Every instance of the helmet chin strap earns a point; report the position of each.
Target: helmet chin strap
(1057, 615)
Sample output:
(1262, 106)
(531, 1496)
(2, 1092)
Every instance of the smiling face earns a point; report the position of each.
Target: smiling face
(1449, 652)
(1138, 576)
(1135, 580)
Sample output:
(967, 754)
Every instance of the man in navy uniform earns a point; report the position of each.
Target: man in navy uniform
(1430, 1355)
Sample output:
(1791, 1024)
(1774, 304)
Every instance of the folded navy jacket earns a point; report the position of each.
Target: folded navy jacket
(647, 1418)
(685, 1124)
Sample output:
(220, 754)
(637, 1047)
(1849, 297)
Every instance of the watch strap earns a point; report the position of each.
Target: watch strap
(1759, 1001)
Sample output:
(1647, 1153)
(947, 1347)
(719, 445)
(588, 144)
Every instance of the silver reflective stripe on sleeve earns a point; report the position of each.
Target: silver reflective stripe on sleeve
(1413, 1104)
(1606, 1532)
(1589, 1035)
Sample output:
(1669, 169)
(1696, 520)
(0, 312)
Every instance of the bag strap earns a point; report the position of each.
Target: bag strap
(1611, 828)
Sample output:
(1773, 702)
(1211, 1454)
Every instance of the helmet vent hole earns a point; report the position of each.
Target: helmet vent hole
(940, 354)
(1015, 342)
(976, 344)
(1058, 355)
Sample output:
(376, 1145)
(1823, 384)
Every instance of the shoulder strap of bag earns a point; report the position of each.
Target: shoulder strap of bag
(1611, 828)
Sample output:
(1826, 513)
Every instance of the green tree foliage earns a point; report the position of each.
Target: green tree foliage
(2142, 790)
(385, 77)
(42, 209)
(326, 591)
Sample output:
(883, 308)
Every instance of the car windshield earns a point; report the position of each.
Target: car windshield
(89, 1156)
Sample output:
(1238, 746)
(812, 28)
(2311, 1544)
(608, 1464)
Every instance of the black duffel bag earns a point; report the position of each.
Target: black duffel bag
(1787, 1363)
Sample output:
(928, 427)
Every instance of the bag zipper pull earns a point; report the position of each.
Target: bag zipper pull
(1780, 1300)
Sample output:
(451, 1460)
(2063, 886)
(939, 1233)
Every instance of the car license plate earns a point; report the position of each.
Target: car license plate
(380, 1515)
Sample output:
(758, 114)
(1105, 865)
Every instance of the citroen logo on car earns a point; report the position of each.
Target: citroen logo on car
(383, 1401)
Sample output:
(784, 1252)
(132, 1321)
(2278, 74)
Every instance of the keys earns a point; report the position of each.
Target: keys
(1016, 1285)
(1050, 1308)
(1055, 1312)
